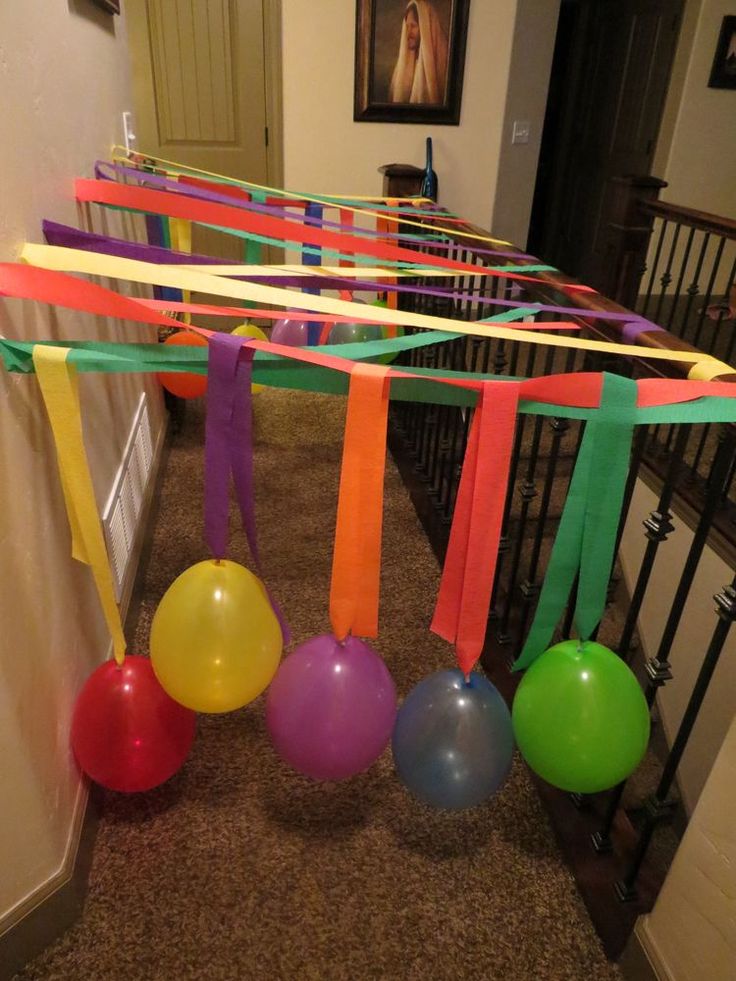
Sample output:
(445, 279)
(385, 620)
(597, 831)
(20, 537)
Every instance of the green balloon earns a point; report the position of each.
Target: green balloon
(387, 358)
(580, 717)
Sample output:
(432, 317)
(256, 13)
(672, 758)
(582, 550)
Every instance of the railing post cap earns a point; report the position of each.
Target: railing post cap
(639, 180)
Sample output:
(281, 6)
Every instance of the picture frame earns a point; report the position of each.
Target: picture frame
(410, 60)
(723, 72)
(111, 6)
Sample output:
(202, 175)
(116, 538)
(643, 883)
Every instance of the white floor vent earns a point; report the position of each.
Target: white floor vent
(120, 517)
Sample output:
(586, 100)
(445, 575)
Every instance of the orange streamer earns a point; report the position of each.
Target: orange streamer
(356, 562)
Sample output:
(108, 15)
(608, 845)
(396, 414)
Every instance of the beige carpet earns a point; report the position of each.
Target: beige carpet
(240, 869)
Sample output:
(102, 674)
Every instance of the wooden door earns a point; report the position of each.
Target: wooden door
(199, 73)
(616, 69)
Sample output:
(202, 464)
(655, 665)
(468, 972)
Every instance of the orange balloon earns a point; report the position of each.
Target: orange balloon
(186, 385)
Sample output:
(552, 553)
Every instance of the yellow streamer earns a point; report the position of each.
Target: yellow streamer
(58, 382)
(346, 272)
(114, 267)
(124, 158)
(181, 241)
(708, 370)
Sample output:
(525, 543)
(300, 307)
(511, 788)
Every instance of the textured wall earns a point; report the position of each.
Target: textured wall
(63, 85)
(691, 932)
(325, 150)
(697, 155)
(531, 61)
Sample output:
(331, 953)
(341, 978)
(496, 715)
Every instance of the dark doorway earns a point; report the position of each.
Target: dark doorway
(610, 75)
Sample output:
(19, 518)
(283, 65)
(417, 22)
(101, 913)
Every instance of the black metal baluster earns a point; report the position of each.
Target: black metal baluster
(658, 667)
(452, 358)
(666, 277)
(504, 543)
(527, 493)
(658, 527)
(680, 278)
(655, 264)
(701, 447)
(658, 807)
(709, 290)
(693, 289)
(530, 587)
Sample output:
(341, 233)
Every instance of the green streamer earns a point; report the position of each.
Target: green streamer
(253, 250)
(609, 469)
(586, 535)
(564, 561)
(276, 371)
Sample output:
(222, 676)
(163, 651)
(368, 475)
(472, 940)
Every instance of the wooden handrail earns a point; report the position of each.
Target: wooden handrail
(609, 330)
(703, 220)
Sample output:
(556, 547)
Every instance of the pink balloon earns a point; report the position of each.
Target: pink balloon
(331, 708)
(295, 333)
(127, 733)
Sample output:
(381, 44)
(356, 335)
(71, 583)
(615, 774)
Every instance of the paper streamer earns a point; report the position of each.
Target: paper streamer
(280, 231)
(356, 563)
(461, 613)
(67, 236)
(253, 249)
(706, 371)
(59, 289)
(58, 382)
(586, 535)
(631, 330)
(229, 449)
(226, 216)
(143, 272)
(444, 216)
(575, 396)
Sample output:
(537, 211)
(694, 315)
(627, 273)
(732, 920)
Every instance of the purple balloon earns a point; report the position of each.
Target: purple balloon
(331, 708)
(295, 333)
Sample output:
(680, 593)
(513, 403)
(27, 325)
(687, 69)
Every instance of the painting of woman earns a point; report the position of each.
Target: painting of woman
(420, 73)
(409, 58)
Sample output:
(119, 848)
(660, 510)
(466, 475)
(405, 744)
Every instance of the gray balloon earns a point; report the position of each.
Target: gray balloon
(453, 742)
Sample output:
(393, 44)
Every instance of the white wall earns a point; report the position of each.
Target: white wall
(697, 148)
(531, 62)
(690, 935)
(691, 642)
(325, 150)
(63, 85)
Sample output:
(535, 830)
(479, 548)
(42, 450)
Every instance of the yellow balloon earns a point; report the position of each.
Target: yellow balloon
(250, 330)
(215, 640)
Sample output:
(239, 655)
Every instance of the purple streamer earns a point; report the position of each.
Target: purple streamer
(229, 449)
(632, 330)
(73, 238)
(204, 194)
(69, 237)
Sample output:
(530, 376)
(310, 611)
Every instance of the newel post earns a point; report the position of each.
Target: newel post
(629, 231)
(401, 180)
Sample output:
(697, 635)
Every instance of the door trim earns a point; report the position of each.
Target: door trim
(272, 53)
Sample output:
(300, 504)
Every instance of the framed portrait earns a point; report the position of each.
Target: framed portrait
(409, 60)
(111, 6)
(723, 72)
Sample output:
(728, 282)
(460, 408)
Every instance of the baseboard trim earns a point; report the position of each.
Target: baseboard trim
(640, 960)
(35, 923)
(40, 919)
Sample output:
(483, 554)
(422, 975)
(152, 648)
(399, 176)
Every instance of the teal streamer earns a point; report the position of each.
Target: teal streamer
(586, 535)
(609, 470)
(564, 561)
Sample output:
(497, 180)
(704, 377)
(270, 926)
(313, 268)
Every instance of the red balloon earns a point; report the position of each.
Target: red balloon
(127, 733)
(185, 384)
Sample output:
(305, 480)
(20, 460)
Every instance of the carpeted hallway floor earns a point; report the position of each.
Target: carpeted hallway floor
(240, 869)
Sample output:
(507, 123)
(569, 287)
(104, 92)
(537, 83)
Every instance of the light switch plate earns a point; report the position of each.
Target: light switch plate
(520, 132)
(128, 131)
